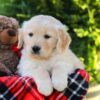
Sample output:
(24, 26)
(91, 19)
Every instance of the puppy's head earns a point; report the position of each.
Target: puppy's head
(43, 35)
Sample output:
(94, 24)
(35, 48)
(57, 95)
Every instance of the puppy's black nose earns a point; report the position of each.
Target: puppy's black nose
(36, 49)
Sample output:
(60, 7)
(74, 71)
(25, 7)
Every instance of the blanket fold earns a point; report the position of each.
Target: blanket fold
(24, 88)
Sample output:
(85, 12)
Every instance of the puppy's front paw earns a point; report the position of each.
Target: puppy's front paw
(60, 84)
(45, 89)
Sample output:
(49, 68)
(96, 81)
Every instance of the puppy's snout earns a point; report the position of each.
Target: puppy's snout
(11, 32)
(36, 49)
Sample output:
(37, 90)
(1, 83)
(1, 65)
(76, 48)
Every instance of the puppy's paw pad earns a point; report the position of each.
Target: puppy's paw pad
(45, 90)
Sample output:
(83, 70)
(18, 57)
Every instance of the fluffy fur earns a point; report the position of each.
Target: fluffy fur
(52, 64)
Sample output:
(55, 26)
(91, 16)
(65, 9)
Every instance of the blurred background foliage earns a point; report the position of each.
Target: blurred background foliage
(81, 16)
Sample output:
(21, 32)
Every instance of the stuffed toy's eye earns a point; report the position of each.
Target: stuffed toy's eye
(30, 34)
(47, 36)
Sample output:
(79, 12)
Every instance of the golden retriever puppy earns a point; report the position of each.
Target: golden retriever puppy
(46, 56)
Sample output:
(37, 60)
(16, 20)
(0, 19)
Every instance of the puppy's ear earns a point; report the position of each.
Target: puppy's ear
(64, 40)
(20, 39)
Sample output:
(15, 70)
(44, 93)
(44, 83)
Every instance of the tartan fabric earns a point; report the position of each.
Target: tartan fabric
(24, 88)
(16, 50)
(78, 84)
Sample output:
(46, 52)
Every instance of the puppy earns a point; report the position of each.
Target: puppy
(46, 56)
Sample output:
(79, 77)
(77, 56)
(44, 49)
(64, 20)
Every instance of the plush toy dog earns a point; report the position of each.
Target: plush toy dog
(8, 38)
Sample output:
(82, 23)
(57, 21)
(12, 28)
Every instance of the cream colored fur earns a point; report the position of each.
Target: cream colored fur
(49, 68)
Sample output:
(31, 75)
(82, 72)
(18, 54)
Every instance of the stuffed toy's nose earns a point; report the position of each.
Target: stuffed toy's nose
(11, 32)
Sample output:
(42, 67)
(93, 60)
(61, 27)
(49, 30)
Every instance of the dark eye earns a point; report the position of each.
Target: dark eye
(30, 34)
(47, 36)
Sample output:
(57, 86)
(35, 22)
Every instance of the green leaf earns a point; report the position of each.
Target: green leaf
(81, 32)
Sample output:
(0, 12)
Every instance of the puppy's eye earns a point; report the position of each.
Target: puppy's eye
(47, 36)
(30, 34)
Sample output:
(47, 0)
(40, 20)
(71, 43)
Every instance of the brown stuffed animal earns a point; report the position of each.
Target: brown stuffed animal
(8, 37)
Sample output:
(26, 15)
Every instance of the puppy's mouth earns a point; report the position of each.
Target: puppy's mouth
(38, 56)
(35, 53)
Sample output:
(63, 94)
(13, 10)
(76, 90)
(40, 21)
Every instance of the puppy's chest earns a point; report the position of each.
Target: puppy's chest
(47, 65)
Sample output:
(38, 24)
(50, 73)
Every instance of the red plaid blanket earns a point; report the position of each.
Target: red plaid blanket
(24, 88)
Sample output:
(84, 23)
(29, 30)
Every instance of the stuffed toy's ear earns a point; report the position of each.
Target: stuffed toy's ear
(14, 22)
(20, 39)
(64, 40)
